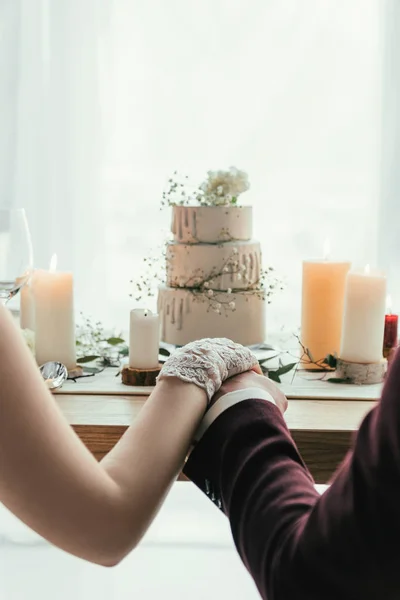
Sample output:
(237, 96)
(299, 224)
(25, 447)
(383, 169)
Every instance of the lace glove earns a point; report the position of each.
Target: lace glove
(207, 363)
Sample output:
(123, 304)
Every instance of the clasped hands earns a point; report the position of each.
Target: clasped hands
(220, 366)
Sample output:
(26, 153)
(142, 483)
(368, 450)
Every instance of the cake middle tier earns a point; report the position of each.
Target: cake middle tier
(235, 265)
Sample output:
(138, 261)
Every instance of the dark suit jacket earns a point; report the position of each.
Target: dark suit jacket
(297, 545)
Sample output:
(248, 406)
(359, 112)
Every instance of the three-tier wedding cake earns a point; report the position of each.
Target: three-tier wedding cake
(214, 272)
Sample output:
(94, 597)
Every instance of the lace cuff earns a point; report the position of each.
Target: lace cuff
(208, 362)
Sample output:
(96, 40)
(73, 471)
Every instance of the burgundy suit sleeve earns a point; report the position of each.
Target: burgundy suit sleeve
(298, 546)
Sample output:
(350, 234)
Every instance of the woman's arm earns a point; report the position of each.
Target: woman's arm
(97, 511)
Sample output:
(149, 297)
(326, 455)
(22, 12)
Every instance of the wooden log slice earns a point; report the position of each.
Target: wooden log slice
(140, 377)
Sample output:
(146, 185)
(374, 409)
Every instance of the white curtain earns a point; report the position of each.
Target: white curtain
(103, 99)
(52, 153)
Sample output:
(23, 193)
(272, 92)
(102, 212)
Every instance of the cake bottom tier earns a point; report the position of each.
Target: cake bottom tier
(188, 315)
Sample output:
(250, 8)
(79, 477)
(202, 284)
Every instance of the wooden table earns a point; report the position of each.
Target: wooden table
(321, 427)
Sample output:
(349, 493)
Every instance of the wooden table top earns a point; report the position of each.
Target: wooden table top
(302, 415)
(322, 428)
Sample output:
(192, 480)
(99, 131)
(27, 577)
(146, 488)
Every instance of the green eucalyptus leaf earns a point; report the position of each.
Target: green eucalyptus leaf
(164, 352)
(339, 380)
(330, 360)
(285, 369)
(93, 370)
(124, 351)
(114, 341)
(87, 359)
(273, 375)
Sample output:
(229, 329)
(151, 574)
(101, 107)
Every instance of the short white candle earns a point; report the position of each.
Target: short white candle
(364, 317)
(27, 308)
(144, 339)
(54, 316)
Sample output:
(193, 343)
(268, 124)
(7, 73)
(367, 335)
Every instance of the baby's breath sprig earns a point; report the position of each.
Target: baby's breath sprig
(95, 344)
(154, 275)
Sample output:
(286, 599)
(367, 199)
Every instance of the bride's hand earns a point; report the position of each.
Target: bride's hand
(209, 362)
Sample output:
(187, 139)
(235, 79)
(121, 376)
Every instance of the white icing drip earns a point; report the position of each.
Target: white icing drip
(180, 315)
(173, 311)
(187, 305)
(186, 217)
(257, 265)
(251, 265)
(180, 224)
(174, 218)
(194, 224)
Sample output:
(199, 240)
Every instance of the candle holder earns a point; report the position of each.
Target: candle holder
(140, 377)
(361, 373)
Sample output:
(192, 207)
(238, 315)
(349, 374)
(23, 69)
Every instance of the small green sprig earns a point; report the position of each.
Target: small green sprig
(325, 364)
(95, 345)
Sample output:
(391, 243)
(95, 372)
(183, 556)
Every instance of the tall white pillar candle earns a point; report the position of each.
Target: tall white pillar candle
(364, 317)
(144, 339)
(27, 308)
(54, 317)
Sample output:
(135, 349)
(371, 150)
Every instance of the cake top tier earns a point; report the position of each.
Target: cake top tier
(211, 224)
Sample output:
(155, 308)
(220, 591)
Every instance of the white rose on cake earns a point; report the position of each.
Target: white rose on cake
(222, 188)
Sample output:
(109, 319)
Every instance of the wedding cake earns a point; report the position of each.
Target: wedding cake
(213, 268)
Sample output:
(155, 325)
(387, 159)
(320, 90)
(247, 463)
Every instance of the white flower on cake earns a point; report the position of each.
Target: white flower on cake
(222, 188)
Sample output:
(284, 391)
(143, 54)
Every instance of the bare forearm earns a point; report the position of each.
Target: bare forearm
(52, 482)
(150, 455)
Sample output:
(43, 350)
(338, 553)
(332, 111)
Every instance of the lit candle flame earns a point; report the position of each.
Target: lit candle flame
(53, 263)
(389, 305)
(367, 269)
(327, 249)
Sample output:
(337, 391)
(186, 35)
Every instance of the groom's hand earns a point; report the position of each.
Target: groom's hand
(251, 379)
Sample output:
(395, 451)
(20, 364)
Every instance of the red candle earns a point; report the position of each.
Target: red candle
(390, 339)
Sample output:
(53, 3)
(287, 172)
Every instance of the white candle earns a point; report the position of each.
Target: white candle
(144, 339)
(54, 316)
(364, 317)
(27, 308)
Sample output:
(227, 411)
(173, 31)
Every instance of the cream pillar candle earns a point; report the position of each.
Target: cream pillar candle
(54, 316)
(144, 339)
(27, 308)
(364, 317)
(322, 306)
